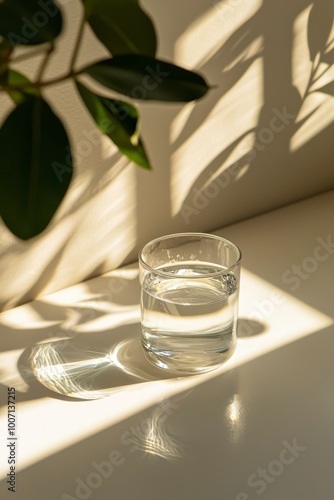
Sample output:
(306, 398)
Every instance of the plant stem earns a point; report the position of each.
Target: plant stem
(52, 81)
(70, 74)
(23, 57)
(28, 55)
(77, 43)
(44, 63)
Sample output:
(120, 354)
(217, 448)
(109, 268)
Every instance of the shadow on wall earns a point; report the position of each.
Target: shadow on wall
(263, 165)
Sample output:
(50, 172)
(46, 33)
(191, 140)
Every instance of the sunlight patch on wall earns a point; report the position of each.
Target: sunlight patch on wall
(309, 77)
(207, 33)
(180, 121)
(301, 63)
(220, 140)
(322, 109)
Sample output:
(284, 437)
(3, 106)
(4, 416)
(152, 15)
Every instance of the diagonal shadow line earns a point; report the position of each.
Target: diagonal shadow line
(207, 173)
(225, 81)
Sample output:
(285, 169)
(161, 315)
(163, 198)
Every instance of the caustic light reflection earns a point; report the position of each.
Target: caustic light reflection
(70, 371)
(235, 418)
(76, 369)
(154, 438)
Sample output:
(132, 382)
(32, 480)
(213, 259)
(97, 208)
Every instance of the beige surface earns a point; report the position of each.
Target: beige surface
(207, 437)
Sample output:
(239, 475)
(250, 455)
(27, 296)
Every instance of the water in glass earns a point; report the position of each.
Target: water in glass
(187, 322)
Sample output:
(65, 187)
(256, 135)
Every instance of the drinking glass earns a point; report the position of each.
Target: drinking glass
(189, 300)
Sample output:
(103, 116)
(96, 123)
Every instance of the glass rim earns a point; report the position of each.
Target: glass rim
(190, 234)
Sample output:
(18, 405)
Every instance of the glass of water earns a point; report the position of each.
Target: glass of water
(189, 301)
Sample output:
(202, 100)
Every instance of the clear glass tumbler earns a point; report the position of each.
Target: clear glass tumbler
(189, 300)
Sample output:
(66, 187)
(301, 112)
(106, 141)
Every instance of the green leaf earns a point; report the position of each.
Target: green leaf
(319, 26)
(15, 79)
(122, 26)
(119, 121)
(5, 49)
(29, 22)
(35, 167)
(5, 52)
(143, 77)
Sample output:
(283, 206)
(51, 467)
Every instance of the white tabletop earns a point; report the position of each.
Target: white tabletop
(261, 426)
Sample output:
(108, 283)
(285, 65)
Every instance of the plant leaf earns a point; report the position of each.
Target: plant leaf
(122, 26)
(14, 78)
(5, 52)
(327, 89)
(5, 49)
(35, 167)
(143, 77)
(119, 121)
(29, 22)
(319, 26)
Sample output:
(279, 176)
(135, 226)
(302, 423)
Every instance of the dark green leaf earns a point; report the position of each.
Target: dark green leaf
(144, 77)
(15, 79)
(122, 26)
(119, 121)
(327, 89)
(35, 167)
(4, 44)
(319, 27)
(29, 22)
(5, 49)
(5, 52)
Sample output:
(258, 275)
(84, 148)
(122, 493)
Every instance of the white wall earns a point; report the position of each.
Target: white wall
(217, 161)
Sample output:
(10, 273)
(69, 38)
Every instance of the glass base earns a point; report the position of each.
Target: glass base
(187, 363)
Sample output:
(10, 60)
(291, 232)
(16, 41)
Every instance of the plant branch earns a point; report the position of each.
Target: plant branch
(44, 63)
(39, 83)
(47, 83)
(77, 43)
(28, 55)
